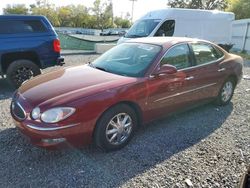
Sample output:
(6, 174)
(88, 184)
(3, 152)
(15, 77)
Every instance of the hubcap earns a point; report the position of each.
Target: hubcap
(227, 91)
(22, 74)
(119, 129)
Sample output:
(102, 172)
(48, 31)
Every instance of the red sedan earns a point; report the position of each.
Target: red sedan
(131, 84)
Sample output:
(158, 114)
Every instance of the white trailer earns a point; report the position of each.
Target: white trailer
(211, 25)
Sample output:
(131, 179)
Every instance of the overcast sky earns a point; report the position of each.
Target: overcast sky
(120, 6)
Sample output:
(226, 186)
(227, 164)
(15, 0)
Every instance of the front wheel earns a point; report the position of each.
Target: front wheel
(226, 92)
(115, 128)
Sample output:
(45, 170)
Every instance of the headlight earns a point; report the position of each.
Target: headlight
(35, 114)
(55, 115)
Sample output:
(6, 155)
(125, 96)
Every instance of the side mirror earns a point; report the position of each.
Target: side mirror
(165, 69)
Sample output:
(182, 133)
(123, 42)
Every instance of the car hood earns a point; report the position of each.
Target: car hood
(69, 84)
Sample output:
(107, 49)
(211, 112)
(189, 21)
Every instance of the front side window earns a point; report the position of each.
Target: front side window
(177, 56)
(21, 26)
(142, 28)
(166, 29)
(204, 53)
(128, 59)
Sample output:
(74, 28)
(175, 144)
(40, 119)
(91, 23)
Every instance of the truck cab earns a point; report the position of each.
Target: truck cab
(28, 44)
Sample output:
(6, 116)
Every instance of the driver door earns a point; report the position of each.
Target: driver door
(167, 93)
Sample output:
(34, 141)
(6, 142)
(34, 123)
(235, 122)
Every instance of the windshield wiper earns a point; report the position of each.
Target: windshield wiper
(100, 68)
(134, 36)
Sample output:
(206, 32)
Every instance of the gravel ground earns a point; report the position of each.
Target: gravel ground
(207, 147)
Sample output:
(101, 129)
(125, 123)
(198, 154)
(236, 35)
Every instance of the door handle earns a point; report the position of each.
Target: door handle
(222, 69)
(189, 78)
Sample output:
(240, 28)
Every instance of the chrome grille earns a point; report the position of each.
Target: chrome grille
(18, 110)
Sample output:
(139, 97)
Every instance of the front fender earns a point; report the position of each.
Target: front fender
(91, 108)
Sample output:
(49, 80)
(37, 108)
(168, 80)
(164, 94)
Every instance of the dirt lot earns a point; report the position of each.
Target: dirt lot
(209, 145)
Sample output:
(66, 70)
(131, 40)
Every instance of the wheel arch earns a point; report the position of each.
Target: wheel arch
(131, 104)
(8, 58)
(234, 78)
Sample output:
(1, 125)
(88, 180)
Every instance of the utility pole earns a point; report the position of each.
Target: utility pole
(132, 14)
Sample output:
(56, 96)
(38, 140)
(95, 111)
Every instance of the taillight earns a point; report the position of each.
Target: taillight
(56, 45)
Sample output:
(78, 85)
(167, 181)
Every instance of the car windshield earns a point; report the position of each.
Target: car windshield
(142, 28)
(128, 59)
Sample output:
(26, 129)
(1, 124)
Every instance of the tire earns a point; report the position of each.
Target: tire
(20, 71)
(113, 136)
(226, 92)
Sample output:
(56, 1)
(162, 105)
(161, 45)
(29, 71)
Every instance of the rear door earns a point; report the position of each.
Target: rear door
(205, 77)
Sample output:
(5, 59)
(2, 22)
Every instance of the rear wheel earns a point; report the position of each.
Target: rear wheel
(226, 92)
(20, 71)
(115, 128)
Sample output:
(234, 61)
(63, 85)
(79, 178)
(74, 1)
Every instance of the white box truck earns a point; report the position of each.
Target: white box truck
(211, 25)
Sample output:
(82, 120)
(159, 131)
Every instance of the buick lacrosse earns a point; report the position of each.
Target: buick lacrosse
(132, 84)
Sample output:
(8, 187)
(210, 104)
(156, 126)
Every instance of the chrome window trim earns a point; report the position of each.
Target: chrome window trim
(50, 128)
(194, 66)
(184, 92)
(210, 62)
(167, 52)
(152, 76)
(201, 65)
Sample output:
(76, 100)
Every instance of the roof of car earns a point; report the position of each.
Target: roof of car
(164, 40)
(15, 16)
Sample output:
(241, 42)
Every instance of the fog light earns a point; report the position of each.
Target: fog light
(53, 141)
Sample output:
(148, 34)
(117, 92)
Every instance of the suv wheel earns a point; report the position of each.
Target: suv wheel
(20, 71)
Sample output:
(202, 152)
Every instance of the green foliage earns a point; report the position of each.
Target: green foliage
(198, 4)
(241, 8)
(100, 16)
(16, 9)
(42, 7)
(123, 23)
(103, 13)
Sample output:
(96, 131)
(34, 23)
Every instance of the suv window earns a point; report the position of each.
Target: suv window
(177, 56)
(21, 26)
(204, 53)
(166, 29)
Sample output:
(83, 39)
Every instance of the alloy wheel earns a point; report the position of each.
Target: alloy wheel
(227, 91)
(22, 74)
(119, 129)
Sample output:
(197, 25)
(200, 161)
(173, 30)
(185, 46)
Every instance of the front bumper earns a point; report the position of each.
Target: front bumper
(48, 136)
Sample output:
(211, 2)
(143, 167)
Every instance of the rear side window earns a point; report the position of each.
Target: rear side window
(219, 53)
(21, 26)
(204, 53)
(166, 29)
(177, 56)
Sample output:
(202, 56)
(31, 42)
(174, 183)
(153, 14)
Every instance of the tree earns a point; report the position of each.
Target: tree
(103, 13)
(108, 15)
(198, 4)
(241, 8)
(16, 9)
(65, 16)
(100, 16)
(80, 16)
(121, 23)
(43, 7)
